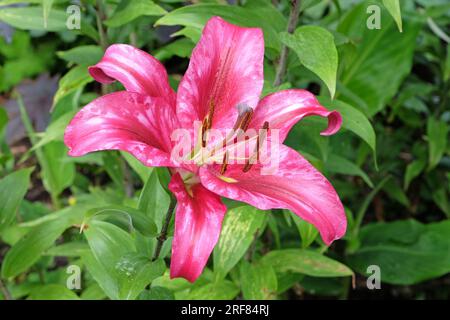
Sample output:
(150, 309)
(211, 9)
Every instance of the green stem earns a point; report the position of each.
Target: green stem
(163, 235)
(39, 153)
(4, 290)
(362, 210)
(292, 23)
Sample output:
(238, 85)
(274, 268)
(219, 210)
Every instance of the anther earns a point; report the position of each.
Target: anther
(262, 135)
(224, 163)
(203, 132)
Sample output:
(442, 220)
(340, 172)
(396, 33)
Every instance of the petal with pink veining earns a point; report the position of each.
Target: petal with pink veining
(226, 69)
(285, 108)
(136, 70)
(138, 124)
(198, 221)
(296, 185)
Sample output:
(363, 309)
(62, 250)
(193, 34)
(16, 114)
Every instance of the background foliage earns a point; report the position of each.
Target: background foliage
(389, 163)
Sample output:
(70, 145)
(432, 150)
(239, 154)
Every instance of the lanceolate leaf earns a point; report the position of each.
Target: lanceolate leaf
(307, 262)
(28, 249)
(393, 6)
(12, 190)
(238, 231)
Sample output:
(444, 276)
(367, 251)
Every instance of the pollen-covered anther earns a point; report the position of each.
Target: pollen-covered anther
(224, 163)
(261, 136)
(204, 131)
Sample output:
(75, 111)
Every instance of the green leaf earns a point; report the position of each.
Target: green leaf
(353, 120)
(395, 192)
(114, 264)
(32, 18)
(84, 55)
(258, 281)
(413, 170)
(29, 248)
(238, 231)
(128, 217)
(308, 233)
(252, 14)
(316, 50)
(437, 132)
(157, 293)
(76, 78)
(69, 249)
(338, 164)
(57, 174)
(407, 251)
(47, 7)
(13, 188)
(393, 6)
(154, 200)
(380, 61)
(219, 290)
(142, 171)
(306, 262)
(136, 272)
(55, 130)
(52, 292)
(181, 48)
(132, 10)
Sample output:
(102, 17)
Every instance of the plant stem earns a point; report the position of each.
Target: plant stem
(101, 16)
(6, 294)
(103, 37)
(163, 235)
(292, 23)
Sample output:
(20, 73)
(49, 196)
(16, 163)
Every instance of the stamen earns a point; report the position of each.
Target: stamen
(224, 163)
(203, 132)
(209, 116)
(262, 135)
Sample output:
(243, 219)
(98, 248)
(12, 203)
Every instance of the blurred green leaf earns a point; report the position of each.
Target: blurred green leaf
(76, 78)
(381, 60)
(32, 18)
(306, 262)
(393, 6)
(84, 55)
(129, 10)
(316, 50)
(253, 14)
(13, 188)
(413, 170)
(29, 248)
(238, 231)
(52, 292)
(407, 252)
(338, 164)
(437, 132)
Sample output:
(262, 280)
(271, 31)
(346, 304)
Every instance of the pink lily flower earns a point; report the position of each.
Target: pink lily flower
(225, 73)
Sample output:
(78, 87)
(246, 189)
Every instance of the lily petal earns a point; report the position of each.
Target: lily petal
(198, 221)
(136, 70)
(285, 108)
(296, 186)
(138, 124)
(226, 69)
